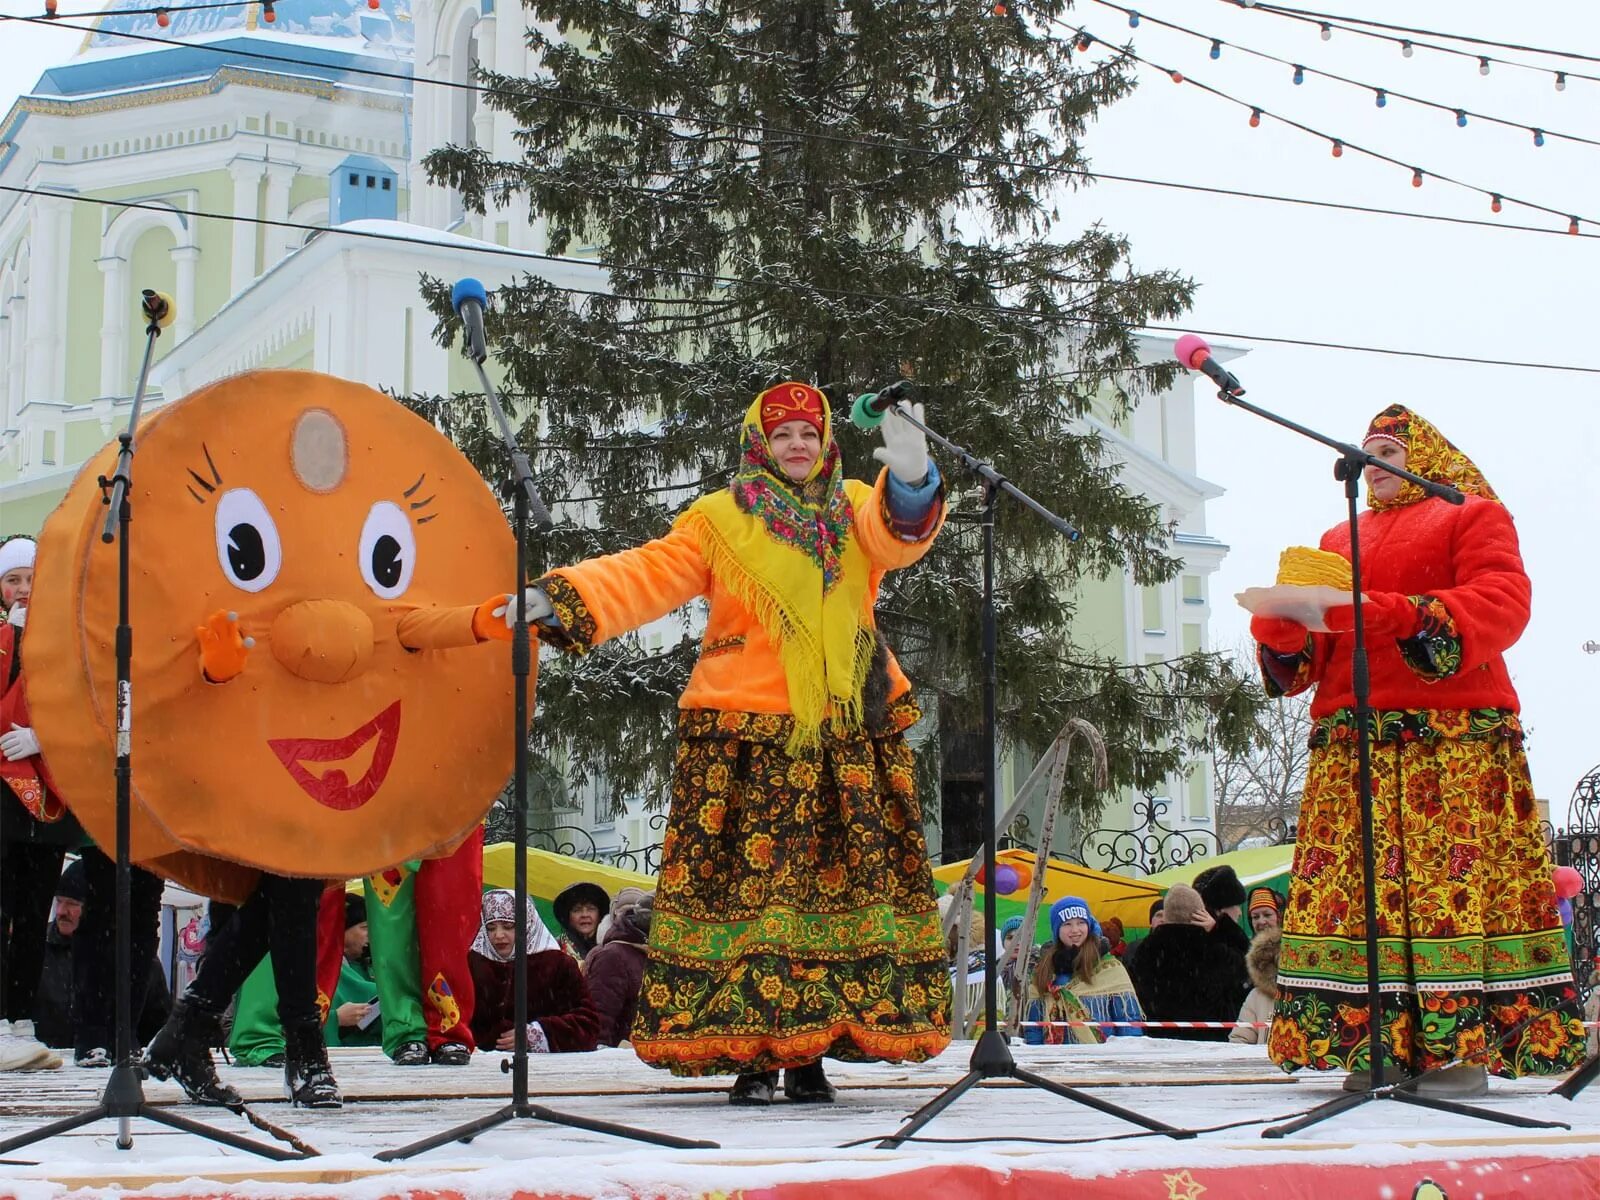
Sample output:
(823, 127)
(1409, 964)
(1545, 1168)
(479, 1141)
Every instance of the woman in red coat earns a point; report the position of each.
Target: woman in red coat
(561, 1016)
(1472, 962)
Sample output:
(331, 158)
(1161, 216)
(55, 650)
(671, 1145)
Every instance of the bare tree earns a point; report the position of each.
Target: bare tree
(1258, 792)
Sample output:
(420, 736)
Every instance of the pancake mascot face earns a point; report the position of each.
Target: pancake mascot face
(329, 549)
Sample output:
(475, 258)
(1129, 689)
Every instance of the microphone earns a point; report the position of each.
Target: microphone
(867, 412)
(1193, 353)
(159, 309)
(468, 299)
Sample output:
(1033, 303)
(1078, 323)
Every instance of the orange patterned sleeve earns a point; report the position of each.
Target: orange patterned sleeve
(883, 547)
(601, 598)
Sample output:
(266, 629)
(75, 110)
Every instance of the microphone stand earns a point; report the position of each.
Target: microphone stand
(123, 1098)
(1352, 459)
(991, 1056)
(525, 500)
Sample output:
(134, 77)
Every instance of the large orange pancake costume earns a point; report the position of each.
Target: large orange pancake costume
(347, 538)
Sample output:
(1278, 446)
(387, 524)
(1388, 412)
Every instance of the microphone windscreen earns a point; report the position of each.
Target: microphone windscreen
(863, 415)
(1192, 350)
(158, 307)
(467, 289)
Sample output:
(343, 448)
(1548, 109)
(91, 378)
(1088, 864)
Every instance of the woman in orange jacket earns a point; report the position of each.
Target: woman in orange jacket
(795, 916)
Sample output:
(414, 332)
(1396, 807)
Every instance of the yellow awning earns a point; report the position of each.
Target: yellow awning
(1108, 895)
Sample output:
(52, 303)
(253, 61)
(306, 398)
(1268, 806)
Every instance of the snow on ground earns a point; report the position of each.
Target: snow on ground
(1187, 1084)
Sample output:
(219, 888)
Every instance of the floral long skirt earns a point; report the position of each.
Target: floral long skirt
(1472, 962)
(795, 913)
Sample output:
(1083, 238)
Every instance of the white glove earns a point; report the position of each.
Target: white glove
(538, 1043)
(17, 615)
(19, 742)
(537, 603)
(905, 448)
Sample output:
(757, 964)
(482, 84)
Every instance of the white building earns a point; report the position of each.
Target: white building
(322, 120)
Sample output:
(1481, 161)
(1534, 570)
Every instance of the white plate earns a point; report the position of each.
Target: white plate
(1297, 603)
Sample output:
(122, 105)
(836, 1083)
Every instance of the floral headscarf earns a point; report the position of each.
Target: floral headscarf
(1428, 453)
(501, 905)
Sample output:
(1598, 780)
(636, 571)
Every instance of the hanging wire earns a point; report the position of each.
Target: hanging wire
(1383, 93)
(1325, 18)
(912, 299)
(1408, 45)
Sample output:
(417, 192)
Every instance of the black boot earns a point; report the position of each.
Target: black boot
(807, 1084)
(307, 1078)
(182, 1052)
(754, 1088)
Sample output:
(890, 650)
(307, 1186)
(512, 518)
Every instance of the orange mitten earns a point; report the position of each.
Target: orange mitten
(489, 620)
(223, 649)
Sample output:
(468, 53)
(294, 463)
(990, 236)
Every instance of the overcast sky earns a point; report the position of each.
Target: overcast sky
(1278, 270)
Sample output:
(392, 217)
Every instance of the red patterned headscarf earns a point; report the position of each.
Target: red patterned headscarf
(1428, 453)
(792, 402)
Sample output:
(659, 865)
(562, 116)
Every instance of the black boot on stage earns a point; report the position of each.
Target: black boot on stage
(307, 1078)
(808, 1085)
(754, 1088)
(182, 1052)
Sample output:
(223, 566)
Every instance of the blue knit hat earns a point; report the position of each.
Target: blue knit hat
(1069, 908)
(1012, 924)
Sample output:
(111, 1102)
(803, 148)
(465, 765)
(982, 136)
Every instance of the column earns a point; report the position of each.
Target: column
(47, 274)
(113, 324)
(246, 195)
(277, 241)
(16, 338)
(185, 259)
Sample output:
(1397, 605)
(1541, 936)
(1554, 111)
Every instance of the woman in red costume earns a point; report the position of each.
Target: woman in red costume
(1472, 964)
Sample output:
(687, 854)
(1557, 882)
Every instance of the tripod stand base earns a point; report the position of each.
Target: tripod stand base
(537, 1112)
(1578, 1080)
(992, 1059)
(123, 1101)
(1396, 1092)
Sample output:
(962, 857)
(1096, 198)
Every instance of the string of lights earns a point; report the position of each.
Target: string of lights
(834, 138)
(918, 301)
(1337, 145)
(1410, 45)
(163, 13)
(1469, 39)
(1381, 95)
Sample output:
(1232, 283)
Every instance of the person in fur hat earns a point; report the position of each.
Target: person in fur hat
(1224, 897)
(1182, 973)
(1262, 963)
(1080, 980)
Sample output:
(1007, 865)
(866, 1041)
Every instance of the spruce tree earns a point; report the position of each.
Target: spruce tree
(846, 192)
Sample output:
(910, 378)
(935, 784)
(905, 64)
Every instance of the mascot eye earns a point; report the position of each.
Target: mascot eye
(388, 550)
(248, 549)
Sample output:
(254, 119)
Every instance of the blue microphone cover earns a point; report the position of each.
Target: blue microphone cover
(863, 415)
(467, 289)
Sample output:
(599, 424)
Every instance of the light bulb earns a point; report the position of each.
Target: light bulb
(1255, 118)
(1381, 98)
(1338, 148)
(1494, 204)
(1327, 32)
(1538, 137)
(1483, 66)
(1416, 177)
(1561, 81)
(1407, 49)
(1461, 117)
(1216, 49)
(1299, 74)
(1572, 226)
(1133, 20)
(162, 18)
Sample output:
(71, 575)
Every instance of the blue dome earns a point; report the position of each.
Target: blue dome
(319, 18)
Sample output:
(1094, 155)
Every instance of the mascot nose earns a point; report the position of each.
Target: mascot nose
(325, 641)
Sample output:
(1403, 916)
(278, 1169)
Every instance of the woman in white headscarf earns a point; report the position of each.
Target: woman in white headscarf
(561, 1016)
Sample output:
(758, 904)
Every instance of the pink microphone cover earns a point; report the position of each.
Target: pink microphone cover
(1192, 350)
